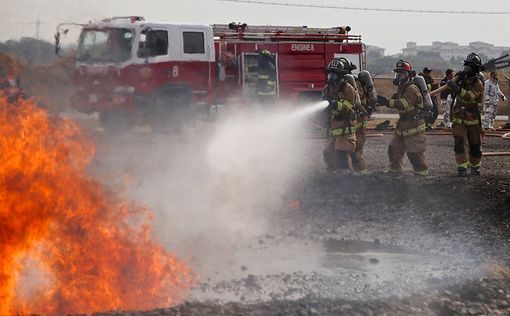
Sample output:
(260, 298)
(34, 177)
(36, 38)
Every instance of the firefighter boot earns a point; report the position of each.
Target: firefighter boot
(461, 171)
(394, 173)
(475, 171)
(343, 161)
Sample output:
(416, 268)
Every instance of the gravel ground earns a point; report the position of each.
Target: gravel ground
(368, 245)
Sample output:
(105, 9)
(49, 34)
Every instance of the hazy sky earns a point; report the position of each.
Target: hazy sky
(388, 30)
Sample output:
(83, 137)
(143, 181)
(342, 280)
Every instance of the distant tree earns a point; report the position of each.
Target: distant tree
(382, 66)
(32, 50)
(428, 59)
(386, 64)
(373, 54)
(456, 62)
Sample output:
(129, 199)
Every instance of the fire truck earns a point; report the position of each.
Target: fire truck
(132, 70)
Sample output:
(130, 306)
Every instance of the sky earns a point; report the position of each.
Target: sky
(389, 30)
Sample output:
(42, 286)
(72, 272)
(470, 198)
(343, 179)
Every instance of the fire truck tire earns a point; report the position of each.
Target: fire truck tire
(116, 121)
(171, 111)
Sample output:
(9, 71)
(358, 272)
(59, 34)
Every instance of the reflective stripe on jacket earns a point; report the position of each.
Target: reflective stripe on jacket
(408, 101)
(341, 131)
(411, 131)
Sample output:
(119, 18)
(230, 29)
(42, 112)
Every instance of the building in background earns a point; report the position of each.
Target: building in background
(451, 50)
(375, 52)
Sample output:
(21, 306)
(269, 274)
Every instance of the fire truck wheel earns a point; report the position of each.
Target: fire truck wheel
(116, 121)
(171, 112)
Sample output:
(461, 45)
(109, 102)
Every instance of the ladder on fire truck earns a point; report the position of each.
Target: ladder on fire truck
(271, 33)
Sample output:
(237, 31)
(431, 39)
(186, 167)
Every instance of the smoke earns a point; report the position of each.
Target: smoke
(215, 189)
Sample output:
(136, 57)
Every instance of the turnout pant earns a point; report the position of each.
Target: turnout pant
(358, 162)
(415, 146)
(338, 151)
(467, 145)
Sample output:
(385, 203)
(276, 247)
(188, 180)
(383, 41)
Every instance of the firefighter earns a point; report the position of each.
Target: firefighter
(341, 140)
(266, 79)
(367, 95)
(426, 73)
(492, 93)
(410, 127)
(467, 91)
(446, 100)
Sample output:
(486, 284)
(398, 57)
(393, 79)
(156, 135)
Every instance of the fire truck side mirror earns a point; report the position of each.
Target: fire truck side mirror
(57, 43)
(64, 53)
(66, 39)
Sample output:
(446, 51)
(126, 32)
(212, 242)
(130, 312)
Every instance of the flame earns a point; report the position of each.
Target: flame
(68, 245)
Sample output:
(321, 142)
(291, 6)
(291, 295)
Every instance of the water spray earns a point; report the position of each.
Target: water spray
(258, 157)
(322, 105)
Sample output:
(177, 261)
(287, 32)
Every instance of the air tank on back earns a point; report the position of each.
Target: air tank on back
(350, 79)
(366, 81)
(422, 85)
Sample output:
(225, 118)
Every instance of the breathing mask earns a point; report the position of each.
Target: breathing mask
(400, 78)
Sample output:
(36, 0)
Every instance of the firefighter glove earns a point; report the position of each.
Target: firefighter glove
(454, 86)
(461, 75)
(382, 100)
(332, 104)
(429, 117)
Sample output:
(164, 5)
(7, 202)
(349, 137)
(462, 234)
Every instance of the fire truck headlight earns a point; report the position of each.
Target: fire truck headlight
(124, 89)
(146, 72)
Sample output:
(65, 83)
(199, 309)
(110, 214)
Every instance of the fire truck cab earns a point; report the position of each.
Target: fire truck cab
(129, 69)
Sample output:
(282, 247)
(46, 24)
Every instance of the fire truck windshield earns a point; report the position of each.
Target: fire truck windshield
(108, 45)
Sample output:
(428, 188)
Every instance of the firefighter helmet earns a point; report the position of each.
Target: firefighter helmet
(403, 66)
(265, 56)
(472, 64)
(352, 67)
(265, 52)
(339, 66)
(403, 72)
(474, 59)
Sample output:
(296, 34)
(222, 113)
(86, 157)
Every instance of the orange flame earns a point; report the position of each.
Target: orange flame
(93, 251)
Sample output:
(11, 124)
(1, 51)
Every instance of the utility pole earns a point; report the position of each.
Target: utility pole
(37, 27)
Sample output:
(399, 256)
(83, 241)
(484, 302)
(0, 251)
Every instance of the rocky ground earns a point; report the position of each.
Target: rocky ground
(343, 244)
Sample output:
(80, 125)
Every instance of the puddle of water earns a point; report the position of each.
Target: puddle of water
(351, 269)
(361, 246)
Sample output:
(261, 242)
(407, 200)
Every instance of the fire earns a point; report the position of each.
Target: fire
(68, 245)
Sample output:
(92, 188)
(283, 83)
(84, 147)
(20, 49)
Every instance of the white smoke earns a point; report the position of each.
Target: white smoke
(220, 185)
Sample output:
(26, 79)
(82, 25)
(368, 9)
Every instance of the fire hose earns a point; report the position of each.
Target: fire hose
(496, 154)
(490, 65)
(442, 88)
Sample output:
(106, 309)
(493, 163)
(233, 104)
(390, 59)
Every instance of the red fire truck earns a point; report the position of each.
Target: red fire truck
(129, 69)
